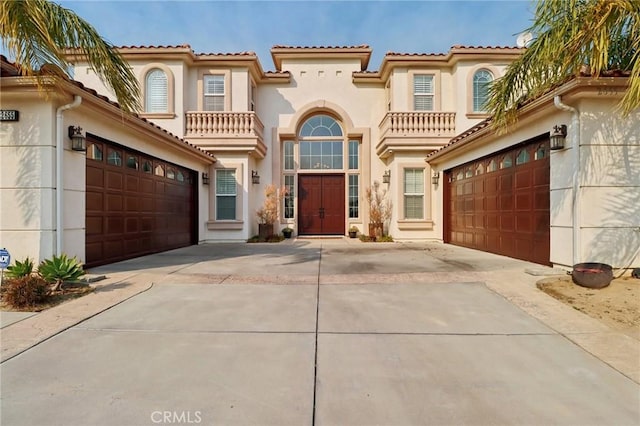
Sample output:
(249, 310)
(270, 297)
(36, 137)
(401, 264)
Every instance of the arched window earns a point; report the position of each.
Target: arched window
(156, 91)
(320, 125)
(321, 144)
(481, 81)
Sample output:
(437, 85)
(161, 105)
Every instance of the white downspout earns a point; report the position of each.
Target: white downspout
(575, 144)
(77, 100)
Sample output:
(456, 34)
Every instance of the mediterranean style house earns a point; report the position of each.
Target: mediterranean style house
(215, 129)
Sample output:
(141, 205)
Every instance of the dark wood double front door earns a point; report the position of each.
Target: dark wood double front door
(321, 204)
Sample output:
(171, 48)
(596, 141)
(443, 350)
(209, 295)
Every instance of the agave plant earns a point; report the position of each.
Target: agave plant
(59, 269)
(20, 269)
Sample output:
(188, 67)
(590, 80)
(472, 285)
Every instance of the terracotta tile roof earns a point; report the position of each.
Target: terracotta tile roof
(460, 46)
(282, 46)
(246, 53)
(414, 54)
(9, 66)
(176, 46)
(481, 125)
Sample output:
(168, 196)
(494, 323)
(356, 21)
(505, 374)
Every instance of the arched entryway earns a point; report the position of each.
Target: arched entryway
(321, 170)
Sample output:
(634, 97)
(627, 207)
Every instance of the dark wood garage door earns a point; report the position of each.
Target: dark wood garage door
(500, 203)
(135, 204)
(321, 204)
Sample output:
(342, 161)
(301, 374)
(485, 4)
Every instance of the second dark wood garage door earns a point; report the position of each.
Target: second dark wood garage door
(135, 204)
(500, 203)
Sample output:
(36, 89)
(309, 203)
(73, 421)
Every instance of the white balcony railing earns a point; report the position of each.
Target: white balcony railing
(418, 123)
(223, 124)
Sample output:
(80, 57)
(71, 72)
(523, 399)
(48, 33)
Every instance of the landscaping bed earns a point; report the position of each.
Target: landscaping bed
(617, 305)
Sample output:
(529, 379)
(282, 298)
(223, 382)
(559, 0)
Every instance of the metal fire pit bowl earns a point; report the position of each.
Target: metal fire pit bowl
(592, 275)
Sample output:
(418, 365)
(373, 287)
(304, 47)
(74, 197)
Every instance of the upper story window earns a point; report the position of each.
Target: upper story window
(156, 91)
(423, 92)
(252, 96)
(213, 93)
(481, 82)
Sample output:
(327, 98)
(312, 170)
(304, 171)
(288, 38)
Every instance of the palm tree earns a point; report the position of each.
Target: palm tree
(571, 36)
(36, 33)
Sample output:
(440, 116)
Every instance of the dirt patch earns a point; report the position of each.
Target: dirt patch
(617, 305)
(70, 292)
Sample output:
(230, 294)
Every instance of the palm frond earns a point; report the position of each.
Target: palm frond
(569, 36)
(36, 33)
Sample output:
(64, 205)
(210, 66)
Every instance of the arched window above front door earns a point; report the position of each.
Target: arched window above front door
(321, 125)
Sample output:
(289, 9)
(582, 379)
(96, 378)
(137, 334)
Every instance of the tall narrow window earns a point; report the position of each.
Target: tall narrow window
(353, 196)
(413, 193)
(288, 199)
(354, 154)
(252, 96)
(481, 82)
(213, 93)
(288, 156)
(423, 92)
(156, 91)
(226, 194)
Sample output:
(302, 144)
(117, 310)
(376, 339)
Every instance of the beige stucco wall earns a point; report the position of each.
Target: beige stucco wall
(27, 179)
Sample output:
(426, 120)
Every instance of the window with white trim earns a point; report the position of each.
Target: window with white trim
(289, 184)
(156, 91)
(354, 187)
(289, 161)
(213, 93)
(481, 81)
(226, 194)
(414, 193)
(423, 92)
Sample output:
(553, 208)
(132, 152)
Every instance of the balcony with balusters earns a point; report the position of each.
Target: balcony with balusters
(415, 131)
(226, 131)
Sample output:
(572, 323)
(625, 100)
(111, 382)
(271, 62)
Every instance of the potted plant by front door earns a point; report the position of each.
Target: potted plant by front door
(287, 232)
(353, 232)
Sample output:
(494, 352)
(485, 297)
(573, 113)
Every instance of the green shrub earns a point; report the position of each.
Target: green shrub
(20, 269)
(59, 269)
(25, 292)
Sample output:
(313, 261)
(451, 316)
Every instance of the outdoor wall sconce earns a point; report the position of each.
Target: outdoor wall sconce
(205, 178)
(255, 177)
(435, 178)
(78, 141)
(557, 136)
(386, 177)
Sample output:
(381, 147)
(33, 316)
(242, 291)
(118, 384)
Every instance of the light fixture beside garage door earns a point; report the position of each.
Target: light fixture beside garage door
(78, 141)
(557, 136)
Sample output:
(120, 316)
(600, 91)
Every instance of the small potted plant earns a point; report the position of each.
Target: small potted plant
(287, 232)
(353, 231)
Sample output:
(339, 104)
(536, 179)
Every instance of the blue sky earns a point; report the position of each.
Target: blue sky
(236, 26)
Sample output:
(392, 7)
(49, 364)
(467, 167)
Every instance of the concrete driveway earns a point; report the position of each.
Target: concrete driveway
(319, 332)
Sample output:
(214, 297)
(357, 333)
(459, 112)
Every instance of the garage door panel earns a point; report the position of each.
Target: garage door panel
(509, 214)
(95, 177)
(524, 224)
(94, 201)
(523, 179)
(114, 203)
(506, 202)
(94, 225)
(524, 201)
(541, 174)
(114, 179)
(507, 223)
(133, 183)
(131, 212)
